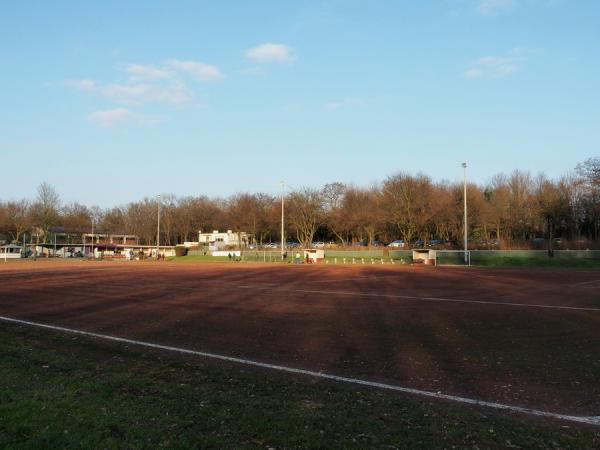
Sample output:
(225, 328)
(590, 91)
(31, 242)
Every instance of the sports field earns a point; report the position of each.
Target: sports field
(517, 342)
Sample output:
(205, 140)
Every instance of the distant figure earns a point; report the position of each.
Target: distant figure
(229, 255)
(284, 255)
(297, 258)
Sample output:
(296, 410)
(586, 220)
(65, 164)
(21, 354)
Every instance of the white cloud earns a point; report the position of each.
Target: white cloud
(84, 85)
(119, 116)
(473, 73)
(147, 72)
(201, 71)
(496, 66)
(269, 52)
(145, 83)
(346, 103)
(494, 7)
(174, 93)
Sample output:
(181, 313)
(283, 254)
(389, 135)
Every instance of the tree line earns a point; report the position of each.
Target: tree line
(510, 208)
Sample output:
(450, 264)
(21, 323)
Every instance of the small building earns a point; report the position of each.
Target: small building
(314, 255)
(131, 251)
(219, 240)
(10, 251)
(424, 256)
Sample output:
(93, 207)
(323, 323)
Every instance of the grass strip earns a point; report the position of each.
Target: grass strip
(61, 391)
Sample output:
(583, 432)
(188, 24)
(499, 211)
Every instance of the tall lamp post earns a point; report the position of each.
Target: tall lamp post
(282, 218)
(464, 165)
(157, 224)
(92, 246)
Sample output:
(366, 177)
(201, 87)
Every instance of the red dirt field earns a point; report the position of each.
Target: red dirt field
(524, 337)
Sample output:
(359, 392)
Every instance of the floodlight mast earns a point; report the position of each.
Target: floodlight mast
(92, 249)
(464, 165)
(282, 219)
(157, 224)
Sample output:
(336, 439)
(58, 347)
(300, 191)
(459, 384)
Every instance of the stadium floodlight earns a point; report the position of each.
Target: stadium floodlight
(464, 165)
(92, 249)
(157, 224)
(282, 219)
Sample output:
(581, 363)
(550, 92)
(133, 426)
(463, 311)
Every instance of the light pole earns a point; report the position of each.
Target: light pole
(158, 224)
(465, 211)
(92, 252)
(282, 217)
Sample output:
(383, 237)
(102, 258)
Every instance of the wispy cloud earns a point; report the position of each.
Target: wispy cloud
(148, 83)
(174, 93)
(269, 52)
(119, 116)
(199, 70)
(148, 72)
(495, 7)
(345, 103)
(496, 66)
(83, 85)
(167, 83)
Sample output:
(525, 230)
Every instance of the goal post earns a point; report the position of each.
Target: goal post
(453, 258)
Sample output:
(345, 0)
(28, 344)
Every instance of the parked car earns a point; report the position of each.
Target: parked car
(318, 245)
(396, 244)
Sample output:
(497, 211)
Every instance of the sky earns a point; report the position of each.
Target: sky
(112, 101)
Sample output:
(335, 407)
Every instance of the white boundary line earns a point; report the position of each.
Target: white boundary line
(590, 420)
(427, 299)
(349, 279)
(584, 283)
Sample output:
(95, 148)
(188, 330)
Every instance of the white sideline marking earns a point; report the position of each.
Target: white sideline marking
(426, 299)
(590, 420)
(349, 279)
(584, 283)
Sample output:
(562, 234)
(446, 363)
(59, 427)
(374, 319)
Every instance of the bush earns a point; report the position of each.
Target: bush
(181, 251)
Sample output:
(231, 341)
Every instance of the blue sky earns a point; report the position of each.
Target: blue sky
(113, 101)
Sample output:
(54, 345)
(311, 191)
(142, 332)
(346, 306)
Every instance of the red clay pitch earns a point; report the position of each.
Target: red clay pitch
(463, 331)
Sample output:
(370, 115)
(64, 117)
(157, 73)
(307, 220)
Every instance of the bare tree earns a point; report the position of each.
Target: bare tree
(16, 219)
(76, 217)
(407, 202)
(333, 202)
(46, 208)
(305, 213)
(589, 173)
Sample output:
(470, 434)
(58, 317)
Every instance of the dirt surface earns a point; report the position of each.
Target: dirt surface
(525, 337)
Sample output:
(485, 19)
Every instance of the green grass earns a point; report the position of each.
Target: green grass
(199, 258)
(538, 262)
(62, 391)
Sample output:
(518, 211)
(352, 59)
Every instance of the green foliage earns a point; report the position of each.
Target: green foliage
(181, 251)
